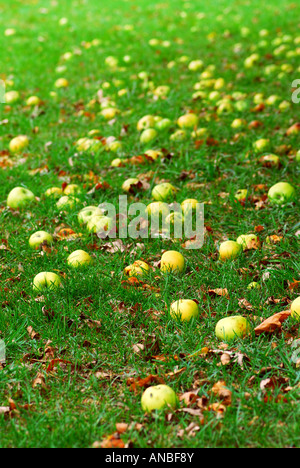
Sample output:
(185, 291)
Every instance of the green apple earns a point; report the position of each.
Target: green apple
(230, 250)
(261, 145)
(188, 121)
(184, 310)
(100, 224)
(298, 156)
(164, 192)
(229, 328)
(295, 309)
(247, 241)
(281, 193)
(179, 135)
(39, 238)
(18, 144)
(148, 135)
(270, 160)
(87, 213)
(172, 261)
(79, 258)
(20, 197)
(159, 397)
(225, 107)
(238, 123)
(66, 202)
(148, 121)
(46, 281)
(163, 124)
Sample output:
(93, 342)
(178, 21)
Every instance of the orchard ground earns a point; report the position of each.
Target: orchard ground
(75, 357)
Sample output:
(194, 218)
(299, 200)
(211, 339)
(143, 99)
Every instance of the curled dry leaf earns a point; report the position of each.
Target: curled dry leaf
(273, 323)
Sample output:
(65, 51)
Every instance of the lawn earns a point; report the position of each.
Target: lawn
(79, 356)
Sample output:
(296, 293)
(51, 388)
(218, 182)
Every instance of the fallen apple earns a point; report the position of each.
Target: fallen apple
(54, 192)
(39, 238)
(148, 135)
(295, 309)
(159, 397)
(46, 281)
(188, 121)
(33, 101)
(61, 83)
(72, 189)
(138, 268)
(100, 224)
(158, 208)
(229, 328)
(253, 285)
(66, 202)
(261, 145)
(129, 184)
(164, 192)
(87, 213)
(148, 121)
(172, 261)
(184, 310)
(241, 194)
(11, 97)
(79, 258)
(281, 193)
(229, 250)
(18, 144)
(20, 197)
(248, 241)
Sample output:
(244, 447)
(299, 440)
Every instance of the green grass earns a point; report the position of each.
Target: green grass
(78, 406)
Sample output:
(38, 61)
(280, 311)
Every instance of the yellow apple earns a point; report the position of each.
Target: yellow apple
(184, 310)
(159, 397)
(188, 121)
(138, 268)
(54, 192)
(79, 258)
(172, 261)
(229, 250)
(229, 328)
(295, 309)
(18, 143)
(164, 192)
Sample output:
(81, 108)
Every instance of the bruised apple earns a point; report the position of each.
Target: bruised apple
(138, 268)
(39, 238)
(159, 397)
